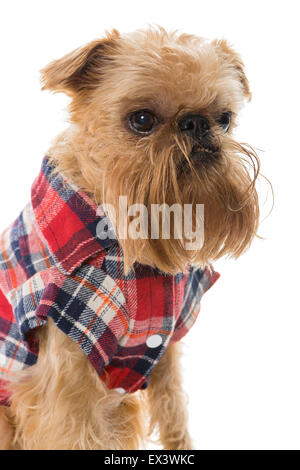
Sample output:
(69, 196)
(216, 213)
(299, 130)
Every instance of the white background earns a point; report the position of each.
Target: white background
(241, 363)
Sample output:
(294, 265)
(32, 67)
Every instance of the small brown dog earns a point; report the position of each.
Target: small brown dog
(152, 115)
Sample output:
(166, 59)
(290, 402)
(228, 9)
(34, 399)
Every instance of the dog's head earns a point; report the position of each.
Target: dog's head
(153, 116)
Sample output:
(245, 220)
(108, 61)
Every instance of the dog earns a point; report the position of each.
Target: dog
(90, 326)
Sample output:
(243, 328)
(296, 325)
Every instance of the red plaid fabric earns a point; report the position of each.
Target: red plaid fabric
(52, 265)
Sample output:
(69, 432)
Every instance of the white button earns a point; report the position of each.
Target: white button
(120, 390)
(154, 341)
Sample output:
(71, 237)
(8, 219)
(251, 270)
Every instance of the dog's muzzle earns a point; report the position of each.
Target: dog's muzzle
(200, 152)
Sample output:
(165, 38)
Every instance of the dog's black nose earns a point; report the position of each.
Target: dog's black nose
(195, 125)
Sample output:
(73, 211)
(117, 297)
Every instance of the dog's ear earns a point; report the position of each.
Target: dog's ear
(228, 54)
(81, 69)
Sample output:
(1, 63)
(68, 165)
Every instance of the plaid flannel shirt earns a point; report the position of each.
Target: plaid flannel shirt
(53, 265)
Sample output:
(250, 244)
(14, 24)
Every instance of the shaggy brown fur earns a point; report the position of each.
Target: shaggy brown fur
(60, 403)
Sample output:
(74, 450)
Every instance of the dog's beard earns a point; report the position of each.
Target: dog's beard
(225, 186)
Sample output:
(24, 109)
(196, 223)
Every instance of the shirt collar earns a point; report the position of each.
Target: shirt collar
(67, 218)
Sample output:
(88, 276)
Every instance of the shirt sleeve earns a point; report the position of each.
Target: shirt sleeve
(198, 282)
(89, 308)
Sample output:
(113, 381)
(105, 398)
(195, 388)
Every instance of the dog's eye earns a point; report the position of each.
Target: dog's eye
(225, 121)
(142, 121)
